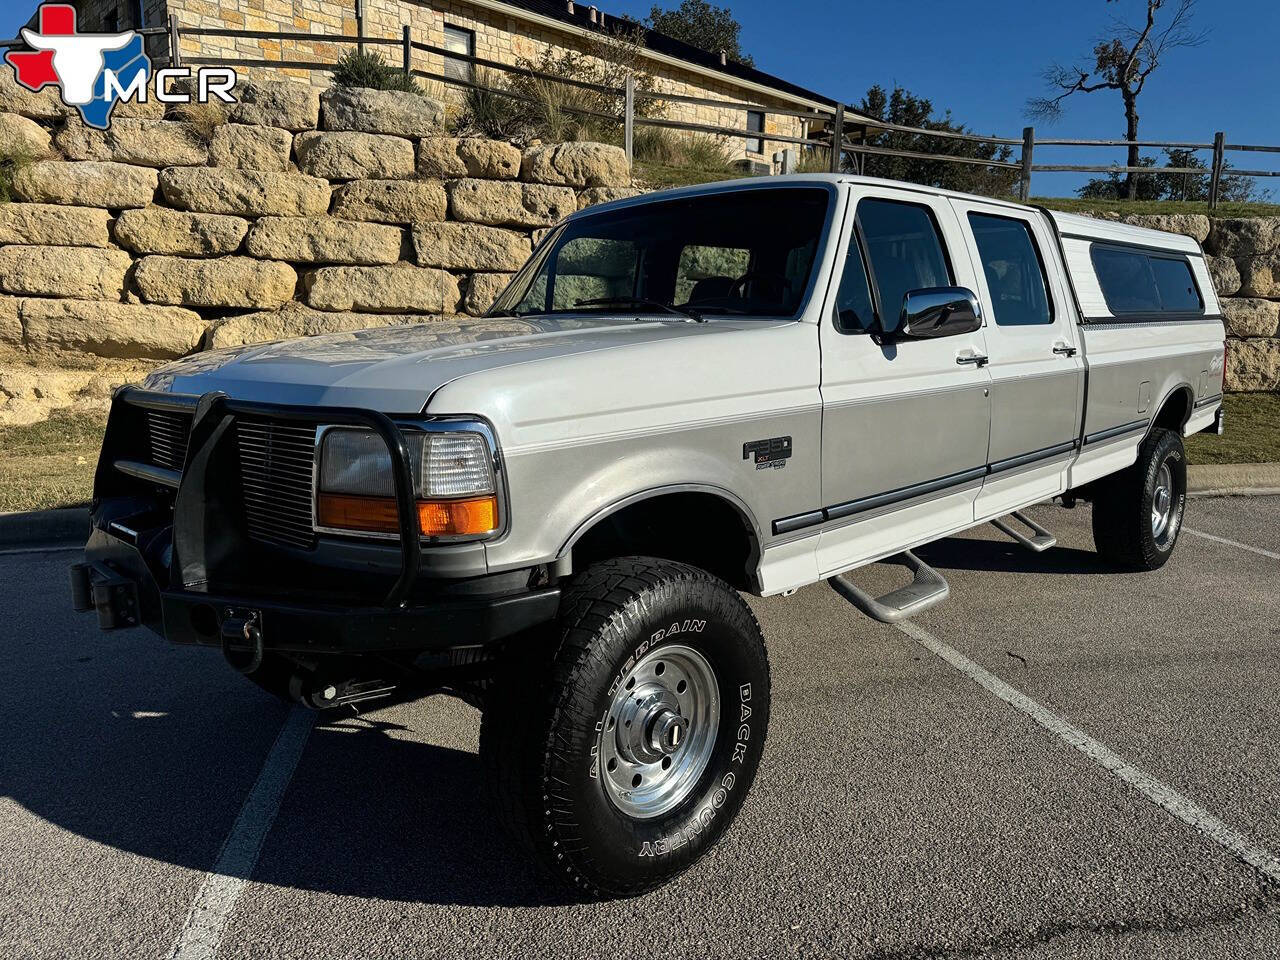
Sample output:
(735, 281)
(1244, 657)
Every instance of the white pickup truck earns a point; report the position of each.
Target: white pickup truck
(552, 511)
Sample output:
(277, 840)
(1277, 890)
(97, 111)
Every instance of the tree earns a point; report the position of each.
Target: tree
(1123, 58)
(701, 25)
(1233, 187)
(903, 108)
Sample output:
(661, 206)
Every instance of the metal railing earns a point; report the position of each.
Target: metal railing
(843, 135)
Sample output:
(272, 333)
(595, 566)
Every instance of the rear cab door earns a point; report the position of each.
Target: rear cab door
(1036, 366)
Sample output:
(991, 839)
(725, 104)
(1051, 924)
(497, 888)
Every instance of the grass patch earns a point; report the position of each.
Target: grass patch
(662, 177)
(1253, 432)
(1130, 207)
(49, 464)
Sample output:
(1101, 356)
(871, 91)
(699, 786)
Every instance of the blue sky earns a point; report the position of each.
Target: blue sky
(983, 58)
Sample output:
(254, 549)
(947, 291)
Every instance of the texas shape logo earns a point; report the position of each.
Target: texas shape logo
(91, 69)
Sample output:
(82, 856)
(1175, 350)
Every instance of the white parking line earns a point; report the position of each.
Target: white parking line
(202, 933)
(1231, 543)
(1158, 793)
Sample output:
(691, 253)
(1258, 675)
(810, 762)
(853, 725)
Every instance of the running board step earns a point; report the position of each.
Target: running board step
(1040, 539)
(927, 588)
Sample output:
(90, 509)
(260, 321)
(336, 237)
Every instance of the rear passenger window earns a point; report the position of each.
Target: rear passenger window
(1137, 282)
(904, 251)
(1015, 275)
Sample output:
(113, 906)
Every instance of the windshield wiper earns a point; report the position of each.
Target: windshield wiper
(693, 315)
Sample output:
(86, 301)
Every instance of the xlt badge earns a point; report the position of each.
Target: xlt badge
(769, 454)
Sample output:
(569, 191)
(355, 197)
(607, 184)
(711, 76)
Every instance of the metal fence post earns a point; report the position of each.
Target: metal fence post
(1215, 177)
(175, 54)
(359, 26)
(1028, 148)
(629, 117)
(837, 140)
(408, 51)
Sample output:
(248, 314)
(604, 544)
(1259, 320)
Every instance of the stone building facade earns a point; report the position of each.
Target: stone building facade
(503, 32)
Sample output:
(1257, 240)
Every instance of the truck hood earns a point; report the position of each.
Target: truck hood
(397, 369)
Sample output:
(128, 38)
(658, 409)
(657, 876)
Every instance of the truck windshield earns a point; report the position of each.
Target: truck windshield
(746, 253)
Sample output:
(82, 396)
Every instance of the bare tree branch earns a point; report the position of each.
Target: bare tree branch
(1123, 59)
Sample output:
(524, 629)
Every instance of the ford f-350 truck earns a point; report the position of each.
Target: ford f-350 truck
(553, 511)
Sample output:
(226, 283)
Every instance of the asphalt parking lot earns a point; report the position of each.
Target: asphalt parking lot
(904, 808)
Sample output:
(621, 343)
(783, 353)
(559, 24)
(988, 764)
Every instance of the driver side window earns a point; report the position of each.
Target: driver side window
(904, 251)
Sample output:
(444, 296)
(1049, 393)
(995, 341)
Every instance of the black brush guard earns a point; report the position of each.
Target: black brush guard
(168, 551)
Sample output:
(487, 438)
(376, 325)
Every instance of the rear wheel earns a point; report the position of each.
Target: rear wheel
(622, 752)
(1137, 515)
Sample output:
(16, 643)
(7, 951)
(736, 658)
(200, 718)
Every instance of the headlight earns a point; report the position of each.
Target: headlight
(452, 477)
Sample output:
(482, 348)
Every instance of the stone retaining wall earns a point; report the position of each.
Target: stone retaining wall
(294, 213)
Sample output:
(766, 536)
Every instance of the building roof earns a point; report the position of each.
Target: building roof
(661, 43)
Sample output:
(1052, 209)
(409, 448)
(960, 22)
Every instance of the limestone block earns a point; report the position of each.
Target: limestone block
(222, 282)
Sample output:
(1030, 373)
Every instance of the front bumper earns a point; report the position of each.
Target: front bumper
(116, 581)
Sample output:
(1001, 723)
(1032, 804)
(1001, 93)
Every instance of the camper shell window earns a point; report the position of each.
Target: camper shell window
(1136, 281)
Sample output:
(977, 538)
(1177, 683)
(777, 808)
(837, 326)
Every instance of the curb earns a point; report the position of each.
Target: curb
(1233, 479)
(44, 526)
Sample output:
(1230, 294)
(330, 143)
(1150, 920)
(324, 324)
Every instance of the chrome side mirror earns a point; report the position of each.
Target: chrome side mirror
(938, 312)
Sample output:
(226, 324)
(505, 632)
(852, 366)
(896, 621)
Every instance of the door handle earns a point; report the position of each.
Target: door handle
(1064, 349)
(978, 359)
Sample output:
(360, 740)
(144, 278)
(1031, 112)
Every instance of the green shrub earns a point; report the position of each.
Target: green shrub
(356, 69)
(814, 160)
(486, 113)
(706, 153)
(669, 148)
(547, 108)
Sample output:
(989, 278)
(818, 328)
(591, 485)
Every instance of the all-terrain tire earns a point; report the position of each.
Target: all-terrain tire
(547, 714)
(1135, 524)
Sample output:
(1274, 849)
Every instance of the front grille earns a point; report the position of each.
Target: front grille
(276, 460)
(167, 436)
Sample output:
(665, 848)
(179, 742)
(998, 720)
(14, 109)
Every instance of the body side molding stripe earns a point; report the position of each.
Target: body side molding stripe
(798, 522)
(1035, 456)
(1206, 401)
(1113, 432)
(903, 493)
(849, 508)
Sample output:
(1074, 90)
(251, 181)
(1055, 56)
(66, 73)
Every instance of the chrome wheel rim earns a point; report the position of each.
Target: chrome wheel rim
(1162, 501)
(660, 731)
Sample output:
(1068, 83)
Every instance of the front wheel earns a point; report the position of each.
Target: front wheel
(1138, 514)
(627, 754)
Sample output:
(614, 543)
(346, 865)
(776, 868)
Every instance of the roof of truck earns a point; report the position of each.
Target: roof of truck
(1068, 224)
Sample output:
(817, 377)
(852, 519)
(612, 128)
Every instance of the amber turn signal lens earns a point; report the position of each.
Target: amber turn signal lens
(436, 518)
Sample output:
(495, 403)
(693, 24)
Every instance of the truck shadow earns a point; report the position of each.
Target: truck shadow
(159, 767)
(371, 813)
(963, 553)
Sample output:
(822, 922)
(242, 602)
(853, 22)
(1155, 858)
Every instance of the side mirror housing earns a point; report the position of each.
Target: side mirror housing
(938, 312)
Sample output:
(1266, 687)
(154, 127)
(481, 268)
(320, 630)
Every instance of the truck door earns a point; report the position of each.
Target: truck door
(905, 423)
(1037, 374)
